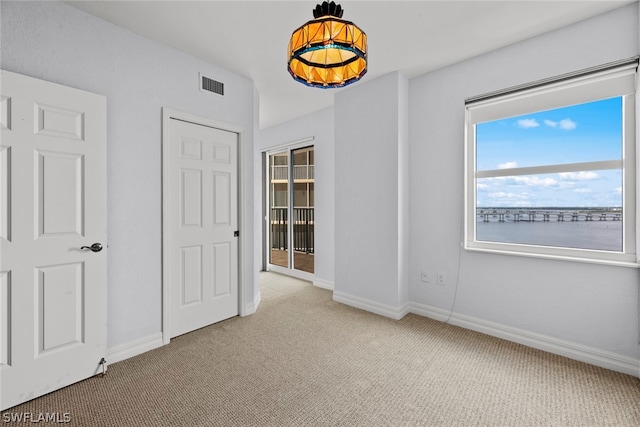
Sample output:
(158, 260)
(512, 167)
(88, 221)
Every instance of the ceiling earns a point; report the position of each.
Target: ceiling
(250, 37)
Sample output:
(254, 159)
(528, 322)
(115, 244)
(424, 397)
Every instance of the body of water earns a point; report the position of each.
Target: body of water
(598, 235)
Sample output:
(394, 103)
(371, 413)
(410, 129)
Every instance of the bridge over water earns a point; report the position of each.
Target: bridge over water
(546, 215)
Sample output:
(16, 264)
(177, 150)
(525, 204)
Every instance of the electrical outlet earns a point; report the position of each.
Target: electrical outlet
(441, 279)
(424, 276)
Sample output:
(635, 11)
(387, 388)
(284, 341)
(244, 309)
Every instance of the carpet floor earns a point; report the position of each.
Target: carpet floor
(304, 360)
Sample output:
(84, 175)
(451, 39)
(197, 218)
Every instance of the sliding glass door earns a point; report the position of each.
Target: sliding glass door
(291, 209)
(279, 209)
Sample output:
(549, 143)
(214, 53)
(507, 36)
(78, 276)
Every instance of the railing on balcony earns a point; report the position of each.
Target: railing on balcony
(300, 172)
(279, 228)
(279, 172)
(303, 229)
(303, 172)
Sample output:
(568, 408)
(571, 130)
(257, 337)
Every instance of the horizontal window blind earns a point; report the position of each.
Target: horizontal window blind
(557, 79)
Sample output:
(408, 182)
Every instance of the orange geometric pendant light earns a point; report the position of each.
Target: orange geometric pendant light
(328, 52)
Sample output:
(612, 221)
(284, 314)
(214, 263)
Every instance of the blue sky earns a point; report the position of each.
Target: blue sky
(581, 133)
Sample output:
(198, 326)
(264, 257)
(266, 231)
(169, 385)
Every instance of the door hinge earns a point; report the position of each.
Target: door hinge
(236, 233)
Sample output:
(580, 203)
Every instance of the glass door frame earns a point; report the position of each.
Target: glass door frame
(288, 149)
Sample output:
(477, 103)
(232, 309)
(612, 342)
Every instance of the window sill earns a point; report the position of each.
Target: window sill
(556, 257)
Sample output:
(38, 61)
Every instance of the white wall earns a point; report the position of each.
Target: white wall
(585, 311)
(593, 308)
(56, 42)
(371, 203)
(318, 125)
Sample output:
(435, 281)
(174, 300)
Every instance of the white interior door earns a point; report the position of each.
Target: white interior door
(201, 177)
(52, 203)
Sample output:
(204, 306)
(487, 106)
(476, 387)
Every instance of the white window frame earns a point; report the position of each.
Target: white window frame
(608, 81)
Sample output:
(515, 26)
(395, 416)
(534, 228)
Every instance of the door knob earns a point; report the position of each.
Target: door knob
(96, 247)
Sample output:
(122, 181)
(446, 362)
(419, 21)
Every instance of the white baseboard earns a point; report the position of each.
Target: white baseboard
(429, 311)
(385, 310)
(251, 308)
(324, 284)
(609, 360)
(594, 356)
(134, 348)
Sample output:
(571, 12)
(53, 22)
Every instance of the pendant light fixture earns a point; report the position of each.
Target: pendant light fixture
(328, 52)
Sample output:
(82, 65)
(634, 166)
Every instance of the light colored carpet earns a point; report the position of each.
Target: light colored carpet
(304, 360)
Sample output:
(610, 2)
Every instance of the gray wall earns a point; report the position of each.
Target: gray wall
(593, 307)
(58, 43)
(371, 201)
(318, 125)
(586, 311)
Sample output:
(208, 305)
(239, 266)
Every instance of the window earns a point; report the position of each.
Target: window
(551, 168)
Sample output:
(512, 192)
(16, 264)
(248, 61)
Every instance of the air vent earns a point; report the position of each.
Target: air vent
(210, 85)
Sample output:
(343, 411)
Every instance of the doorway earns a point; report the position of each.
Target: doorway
(290, 211)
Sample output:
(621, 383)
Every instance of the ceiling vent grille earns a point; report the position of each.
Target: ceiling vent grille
(209, 85)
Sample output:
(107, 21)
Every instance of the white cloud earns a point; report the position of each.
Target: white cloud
(618, 190)
(582, 190)
(508, 165)
(535, 181)
(528, 123)
(482, 186)
(567, 124)
(564, 124)
(503, 198)
(580, 176)
(521, 204)
(504, 195)
(529, 181)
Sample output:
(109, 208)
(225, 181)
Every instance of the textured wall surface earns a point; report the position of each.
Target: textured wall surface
(56, 42)
(589, 305)
(318, 125)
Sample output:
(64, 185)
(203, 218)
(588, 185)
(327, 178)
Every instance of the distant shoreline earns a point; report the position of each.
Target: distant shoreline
(550, 208)
(546, 214)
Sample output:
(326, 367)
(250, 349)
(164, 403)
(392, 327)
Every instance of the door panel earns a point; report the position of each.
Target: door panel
(5, 320)
(191, 200)
(303, 209)
(279, 209)
(191, 268)
(5, 193)
(221, 271)
(59, 179)
(61, 320)
(60, 122)
(201, 166)
(52, 202)
(222, 198)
